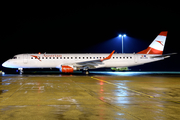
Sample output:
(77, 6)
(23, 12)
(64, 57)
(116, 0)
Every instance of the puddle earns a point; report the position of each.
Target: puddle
(6, 83)
(3, 91)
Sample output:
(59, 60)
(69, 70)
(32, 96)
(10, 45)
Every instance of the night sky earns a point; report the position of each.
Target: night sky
(90, 27)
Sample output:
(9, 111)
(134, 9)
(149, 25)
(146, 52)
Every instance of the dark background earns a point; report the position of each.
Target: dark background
(89, 27)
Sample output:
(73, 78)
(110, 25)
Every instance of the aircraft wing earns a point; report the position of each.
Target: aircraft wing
(92, 63)
(164, 55)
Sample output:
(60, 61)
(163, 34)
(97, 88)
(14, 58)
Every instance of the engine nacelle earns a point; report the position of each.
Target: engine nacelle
(67, 69)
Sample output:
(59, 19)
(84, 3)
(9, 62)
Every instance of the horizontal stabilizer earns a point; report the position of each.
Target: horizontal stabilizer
(164, 56)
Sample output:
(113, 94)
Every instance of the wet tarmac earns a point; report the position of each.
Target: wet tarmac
(90, 97)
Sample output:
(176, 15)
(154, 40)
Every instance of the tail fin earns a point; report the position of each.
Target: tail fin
(157, 46)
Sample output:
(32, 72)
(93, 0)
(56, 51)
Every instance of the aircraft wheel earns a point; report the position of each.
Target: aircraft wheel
(86, 72)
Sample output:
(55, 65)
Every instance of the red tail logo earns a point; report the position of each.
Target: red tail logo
(159, 42)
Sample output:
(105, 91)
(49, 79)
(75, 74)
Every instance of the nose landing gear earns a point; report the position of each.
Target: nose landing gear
(20, 71)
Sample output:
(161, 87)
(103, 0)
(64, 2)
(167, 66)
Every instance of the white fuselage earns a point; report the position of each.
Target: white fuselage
(69, 62)
(57, 60)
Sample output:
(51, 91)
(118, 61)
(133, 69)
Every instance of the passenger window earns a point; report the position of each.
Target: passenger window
(90, 57)
(49, 57)
(42, 57)
(75, 57)
(71, 57)
(64, 57)
(46, 57)
(57, 58)
(116, 57)
(79, 57)
(31, 57)
(60, 57)
(86, 57)
(53, 57)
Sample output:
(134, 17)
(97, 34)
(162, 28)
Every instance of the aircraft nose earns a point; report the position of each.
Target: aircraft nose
(10, 64)
(5, 64)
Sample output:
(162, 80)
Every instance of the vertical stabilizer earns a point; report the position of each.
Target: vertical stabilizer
(157, 46)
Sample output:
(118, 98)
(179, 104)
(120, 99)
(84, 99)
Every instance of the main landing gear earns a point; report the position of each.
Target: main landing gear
(20, 71)
(86, 72)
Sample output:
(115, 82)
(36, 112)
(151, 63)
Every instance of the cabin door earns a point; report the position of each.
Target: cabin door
(135, 58)
(25, 59)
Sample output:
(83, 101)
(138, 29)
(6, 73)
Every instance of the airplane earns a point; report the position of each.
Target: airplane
(67, 63)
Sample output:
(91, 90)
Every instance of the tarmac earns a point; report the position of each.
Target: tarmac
(89, 97)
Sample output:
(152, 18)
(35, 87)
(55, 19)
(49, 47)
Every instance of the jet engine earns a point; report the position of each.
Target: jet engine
(67, 69)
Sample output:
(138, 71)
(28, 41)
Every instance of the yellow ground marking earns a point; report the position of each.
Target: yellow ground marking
(124, 87)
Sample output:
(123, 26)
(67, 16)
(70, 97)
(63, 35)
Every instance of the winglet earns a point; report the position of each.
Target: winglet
(109, 57)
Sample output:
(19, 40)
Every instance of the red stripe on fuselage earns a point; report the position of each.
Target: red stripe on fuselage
(37, 57)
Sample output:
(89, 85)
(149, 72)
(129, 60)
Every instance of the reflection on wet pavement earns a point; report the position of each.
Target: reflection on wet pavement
(89, 97)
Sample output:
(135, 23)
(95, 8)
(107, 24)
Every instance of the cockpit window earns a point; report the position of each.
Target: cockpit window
(14, 58)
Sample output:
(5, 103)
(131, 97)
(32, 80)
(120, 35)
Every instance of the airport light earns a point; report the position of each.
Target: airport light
(122, 36)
